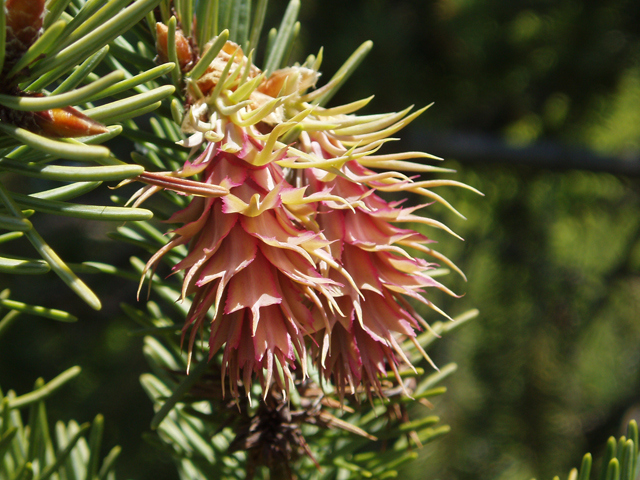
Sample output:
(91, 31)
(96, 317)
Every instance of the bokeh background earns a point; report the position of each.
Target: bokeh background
(537, 104)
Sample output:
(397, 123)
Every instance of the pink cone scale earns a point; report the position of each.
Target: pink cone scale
(295, 259)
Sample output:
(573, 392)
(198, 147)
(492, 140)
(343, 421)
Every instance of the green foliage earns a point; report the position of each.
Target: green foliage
(555, 349)
(620, 460)
(31, 451)
(70, 48)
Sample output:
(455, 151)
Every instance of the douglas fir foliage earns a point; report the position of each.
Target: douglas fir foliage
(287, 255)
(285, 246)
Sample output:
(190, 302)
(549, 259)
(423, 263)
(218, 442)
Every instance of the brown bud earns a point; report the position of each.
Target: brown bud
(211, 76)
(67, 122)
(24, 21)
(183, 49)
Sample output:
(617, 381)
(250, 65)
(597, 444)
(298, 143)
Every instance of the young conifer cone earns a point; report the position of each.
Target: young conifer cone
(294, 257)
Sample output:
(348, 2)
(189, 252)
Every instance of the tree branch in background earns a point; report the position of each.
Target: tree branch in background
(473, 148)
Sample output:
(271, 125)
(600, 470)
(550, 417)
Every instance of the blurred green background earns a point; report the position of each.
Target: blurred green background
(537, 104)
